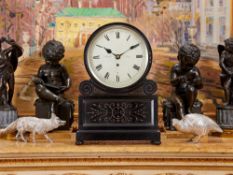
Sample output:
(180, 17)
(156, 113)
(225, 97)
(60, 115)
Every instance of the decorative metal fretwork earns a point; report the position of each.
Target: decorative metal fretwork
(118, 112)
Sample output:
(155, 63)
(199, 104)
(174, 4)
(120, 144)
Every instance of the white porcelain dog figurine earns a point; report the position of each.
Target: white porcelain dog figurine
(197, 124)
(33, 125)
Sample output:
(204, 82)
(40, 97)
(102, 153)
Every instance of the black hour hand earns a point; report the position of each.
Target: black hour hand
(109, 51)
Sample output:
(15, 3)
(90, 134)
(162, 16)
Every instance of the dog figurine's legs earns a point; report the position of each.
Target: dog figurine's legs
(47, 138)
(17, 136)
(34, 137)
(22, 136)
(197, 138)
(27, 136)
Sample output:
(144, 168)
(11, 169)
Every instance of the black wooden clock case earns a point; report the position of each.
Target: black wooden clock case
(129, 113)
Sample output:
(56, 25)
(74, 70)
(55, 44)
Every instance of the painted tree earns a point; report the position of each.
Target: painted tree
(163, 27)
(44, 15)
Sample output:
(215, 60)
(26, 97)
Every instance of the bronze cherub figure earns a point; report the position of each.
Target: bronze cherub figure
(225, 111)
(226, 64)
(8, 64)
(186, 79)
(52, 79)
(51, 82)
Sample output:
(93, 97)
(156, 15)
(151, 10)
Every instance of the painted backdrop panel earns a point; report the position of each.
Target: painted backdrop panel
(167, 24)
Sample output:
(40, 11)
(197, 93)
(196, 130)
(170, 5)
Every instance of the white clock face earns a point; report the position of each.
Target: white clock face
(117, 56)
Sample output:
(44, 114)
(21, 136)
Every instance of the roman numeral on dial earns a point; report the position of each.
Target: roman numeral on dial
(106, 37)
(117, 35)
(128, 38)
(117, 78)
(129, 76)
(99, 67)
(106, 75)
(96, 57)
(139, 56)
(136, 67)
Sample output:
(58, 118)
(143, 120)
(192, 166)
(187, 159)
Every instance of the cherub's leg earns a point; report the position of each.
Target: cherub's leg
(47, 138)
(191, 97)
(179, 106)
(227, 90)
(45, 93)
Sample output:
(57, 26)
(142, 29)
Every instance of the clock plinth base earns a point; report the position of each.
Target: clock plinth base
(152, 135)
(118, 118)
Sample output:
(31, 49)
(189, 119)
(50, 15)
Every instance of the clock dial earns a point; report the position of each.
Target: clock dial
(117, 56)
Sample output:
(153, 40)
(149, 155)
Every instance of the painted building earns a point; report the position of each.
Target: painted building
(181, 11)
(75, 25)
(214, 21)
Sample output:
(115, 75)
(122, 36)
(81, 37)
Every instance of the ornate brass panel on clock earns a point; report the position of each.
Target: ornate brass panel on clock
(118, 102)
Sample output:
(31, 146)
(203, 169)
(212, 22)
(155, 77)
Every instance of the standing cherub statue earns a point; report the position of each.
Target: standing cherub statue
(226, 64)
(225, 111)
(8, 64)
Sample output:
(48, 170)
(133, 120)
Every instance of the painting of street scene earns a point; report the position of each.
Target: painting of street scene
(168, 24)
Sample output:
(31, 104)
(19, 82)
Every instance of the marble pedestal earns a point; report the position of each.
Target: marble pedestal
(64, 111)
(224, 116)
(8, 114)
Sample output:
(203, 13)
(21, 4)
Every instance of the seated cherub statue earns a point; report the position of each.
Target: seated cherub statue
(186, 79)
(226, 64)
(52, 79)
(51, 82)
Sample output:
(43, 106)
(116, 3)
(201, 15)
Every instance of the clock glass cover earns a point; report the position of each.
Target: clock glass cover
(117, 55)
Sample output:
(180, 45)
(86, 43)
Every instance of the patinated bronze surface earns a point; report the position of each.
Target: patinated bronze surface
(8, 64)
(52, 79)
(51, 82)
(186, 80)
(10, 51)
(225, 112)
(226, 64)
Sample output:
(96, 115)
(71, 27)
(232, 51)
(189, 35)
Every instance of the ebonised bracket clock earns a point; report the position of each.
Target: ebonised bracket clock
(118, 102)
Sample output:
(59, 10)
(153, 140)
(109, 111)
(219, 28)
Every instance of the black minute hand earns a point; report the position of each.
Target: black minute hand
(134, 46)
(131, 48)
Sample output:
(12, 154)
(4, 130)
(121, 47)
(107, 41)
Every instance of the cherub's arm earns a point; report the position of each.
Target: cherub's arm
(37, 79)
(11, 85)
(174, 77)
(224, 68)
(221, 48)
(197, 80)
(222, 58)
(13, 52)
(65, 77)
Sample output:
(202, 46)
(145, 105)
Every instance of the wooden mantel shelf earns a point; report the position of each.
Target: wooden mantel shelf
(214, 155)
